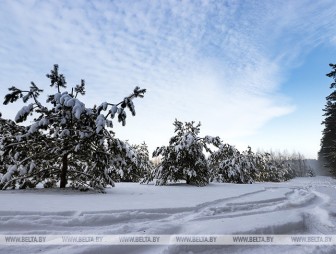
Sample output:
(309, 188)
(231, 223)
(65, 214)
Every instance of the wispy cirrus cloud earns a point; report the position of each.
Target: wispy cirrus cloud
(219, 62)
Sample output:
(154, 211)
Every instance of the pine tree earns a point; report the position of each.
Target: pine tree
(66, 143)
(124, 158)
(183, 158)
(273, 169)
(144, 166)
(133, 164)
(328, 141)
(229, 165)
(299, 165)
(8, 131)
(249, 164)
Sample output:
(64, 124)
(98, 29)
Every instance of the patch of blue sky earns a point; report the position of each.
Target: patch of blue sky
(239, 67)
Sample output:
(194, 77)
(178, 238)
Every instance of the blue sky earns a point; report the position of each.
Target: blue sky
(253, 72)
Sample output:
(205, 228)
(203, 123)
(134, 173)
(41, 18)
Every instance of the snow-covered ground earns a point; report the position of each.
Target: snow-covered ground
(300, 206)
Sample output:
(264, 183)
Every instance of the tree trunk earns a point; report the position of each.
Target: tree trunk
(64, 171)
(188, 180)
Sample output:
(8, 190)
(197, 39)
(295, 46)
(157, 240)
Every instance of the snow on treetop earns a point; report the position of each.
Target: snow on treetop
(113, 111)
(103, 106)
(67, 100)
(100, 123)
(23, 113)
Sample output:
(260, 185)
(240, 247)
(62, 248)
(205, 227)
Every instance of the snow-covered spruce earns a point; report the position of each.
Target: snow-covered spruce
(183, 158)
(67, 143)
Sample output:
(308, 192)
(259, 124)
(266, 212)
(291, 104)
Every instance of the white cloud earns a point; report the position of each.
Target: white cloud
(218, 62)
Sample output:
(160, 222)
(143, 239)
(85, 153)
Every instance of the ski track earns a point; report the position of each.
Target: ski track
(306, 200)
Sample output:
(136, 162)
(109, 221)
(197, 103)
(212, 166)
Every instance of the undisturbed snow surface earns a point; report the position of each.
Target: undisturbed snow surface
(300, 206)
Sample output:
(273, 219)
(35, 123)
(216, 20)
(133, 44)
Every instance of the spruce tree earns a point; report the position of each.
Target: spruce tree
(67, 143)
(328, 142)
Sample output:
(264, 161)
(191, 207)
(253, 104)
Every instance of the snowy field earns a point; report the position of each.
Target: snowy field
(300, 206)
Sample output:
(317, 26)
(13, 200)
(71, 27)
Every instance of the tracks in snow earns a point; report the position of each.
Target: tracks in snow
(278, 208)
(266, 201)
